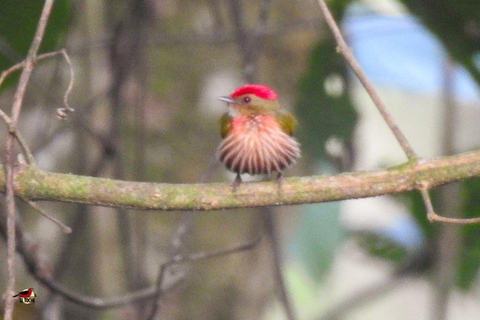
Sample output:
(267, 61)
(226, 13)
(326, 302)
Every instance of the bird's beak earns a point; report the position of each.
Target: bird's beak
(226, 99)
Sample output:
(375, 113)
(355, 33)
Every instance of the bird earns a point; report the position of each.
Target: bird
(257, 135)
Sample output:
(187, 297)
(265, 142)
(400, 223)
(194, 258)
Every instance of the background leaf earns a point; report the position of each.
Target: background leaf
(18, 22)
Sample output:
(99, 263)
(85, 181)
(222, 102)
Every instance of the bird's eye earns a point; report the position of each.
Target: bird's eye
(247, 99)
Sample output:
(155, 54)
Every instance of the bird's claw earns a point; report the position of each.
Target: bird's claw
(236, 183)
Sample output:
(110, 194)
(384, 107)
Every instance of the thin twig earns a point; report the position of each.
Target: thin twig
(196, 256)
(62, 112)
(20, 139)
(41, 273)
(434, 217)
(412, 156)
(428, 202)
(29, 62)
(272, 233)
(16, 107)
(64, 227)
(343, 48)
(20, 65)
(183, 258)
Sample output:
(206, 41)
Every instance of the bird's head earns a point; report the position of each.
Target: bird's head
(252, 99)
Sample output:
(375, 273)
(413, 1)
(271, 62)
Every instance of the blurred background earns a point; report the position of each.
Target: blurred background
(147, 75)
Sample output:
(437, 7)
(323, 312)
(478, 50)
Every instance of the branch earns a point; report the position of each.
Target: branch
(343, 48)
(34, 184)
(9, 163)
(196, 256)
(23, 144)
(40, 271)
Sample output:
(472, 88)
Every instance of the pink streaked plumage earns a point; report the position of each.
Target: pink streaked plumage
(260, 90)
(256, 144)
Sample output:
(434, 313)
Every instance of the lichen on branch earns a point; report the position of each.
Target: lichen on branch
(36, 185)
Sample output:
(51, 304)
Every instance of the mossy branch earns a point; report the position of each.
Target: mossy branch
(34, 184)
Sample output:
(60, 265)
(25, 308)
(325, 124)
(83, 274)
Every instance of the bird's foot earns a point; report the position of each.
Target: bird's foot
(237, 182)
(279, 181)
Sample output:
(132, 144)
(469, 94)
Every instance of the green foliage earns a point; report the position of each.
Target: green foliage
(469, 259)
(382, 247)
(18, 22)
(417, 208)
(455, 23)
(321, 113)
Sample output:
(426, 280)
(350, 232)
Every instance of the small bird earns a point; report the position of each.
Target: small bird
(257, 134)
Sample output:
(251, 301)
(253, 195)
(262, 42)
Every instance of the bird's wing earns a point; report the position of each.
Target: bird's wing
(225, 124)
(24, 293)
(287, 122)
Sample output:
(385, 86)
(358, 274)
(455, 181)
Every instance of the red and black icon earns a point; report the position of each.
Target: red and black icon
(26, 296)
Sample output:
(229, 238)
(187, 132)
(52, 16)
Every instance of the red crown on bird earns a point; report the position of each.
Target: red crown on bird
(260, 90)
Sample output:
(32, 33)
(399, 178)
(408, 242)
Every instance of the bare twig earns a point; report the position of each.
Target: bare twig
(29, 62)
(343, 48)
(72, 77)
(195, 257)
(433, 217)
(412, 156)
(13, 131)
(64, 227)
(66, 108)
(272, 233)
(80, 120)
(20, 139)
(36, 59)
(41, 273)
(177, 245)
(191, 257)
(16, 107)
(62, 112)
